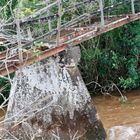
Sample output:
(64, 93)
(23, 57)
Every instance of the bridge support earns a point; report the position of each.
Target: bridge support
(50, 101)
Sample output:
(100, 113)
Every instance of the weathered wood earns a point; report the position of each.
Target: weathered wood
(77, 38)
(133, 6)
(50, 101)
(102, 12)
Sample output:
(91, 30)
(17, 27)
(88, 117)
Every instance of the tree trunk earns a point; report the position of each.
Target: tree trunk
(49, 101)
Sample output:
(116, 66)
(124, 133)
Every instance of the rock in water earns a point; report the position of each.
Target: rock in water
(50, 101)
(127, 132)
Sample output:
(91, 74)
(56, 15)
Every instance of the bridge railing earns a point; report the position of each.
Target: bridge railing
(62, 23)
(71, 12)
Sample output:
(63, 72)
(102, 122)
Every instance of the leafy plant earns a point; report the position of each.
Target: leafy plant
(117, 61)
(123, 99)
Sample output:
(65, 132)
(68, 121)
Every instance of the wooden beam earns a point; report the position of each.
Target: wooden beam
(133, 6)
(106, 28)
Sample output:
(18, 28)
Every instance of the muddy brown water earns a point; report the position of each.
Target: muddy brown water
(122, 121)
(2, 113)
(114, 113)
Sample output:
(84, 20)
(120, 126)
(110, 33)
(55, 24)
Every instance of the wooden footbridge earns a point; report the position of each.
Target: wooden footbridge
(23, 48)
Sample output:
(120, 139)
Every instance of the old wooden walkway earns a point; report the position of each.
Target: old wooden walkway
(75, 31)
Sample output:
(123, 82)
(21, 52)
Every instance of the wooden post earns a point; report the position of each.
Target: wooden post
(59, 21)
(132, 6)
(19, 33)
(102, 12)
(49, 21)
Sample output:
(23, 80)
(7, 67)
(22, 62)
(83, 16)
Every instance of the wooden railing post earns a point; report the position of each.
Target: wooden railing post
(59, 21)
(102, 12)
(132, 6)
(49, 21)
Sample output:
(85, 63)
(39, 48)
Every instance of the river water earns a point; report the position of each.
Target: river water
(2, 113)
(121, 121)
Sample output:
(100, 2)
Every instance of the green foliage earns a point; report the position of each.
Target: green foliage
(28, 7)
(6, 14)
(117, 59)
(7, 8)
(4, 89)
